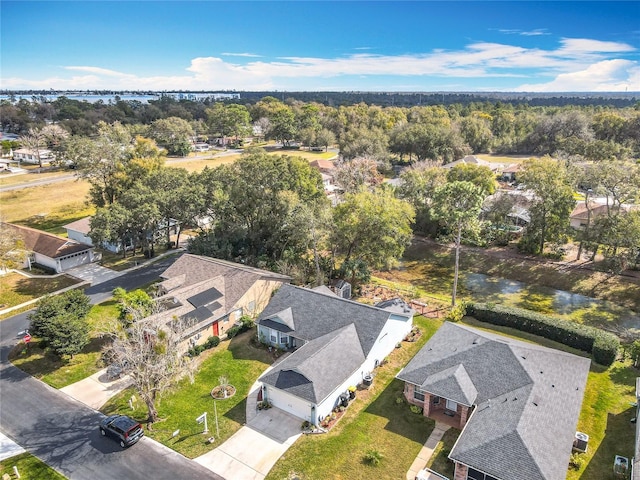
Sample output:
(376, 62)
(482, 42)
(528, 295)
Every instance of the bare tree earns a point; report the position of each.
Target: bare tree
(34, 141)
(12, 252)
(149, 352)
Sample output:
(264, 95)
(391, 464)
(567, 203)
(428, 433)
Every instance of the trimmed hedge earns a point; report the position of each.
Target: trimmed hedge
(602, 345)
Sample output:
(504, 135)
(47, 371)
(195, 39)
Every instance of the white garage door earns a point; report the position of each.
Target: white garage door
(294, 405)
(76, 260)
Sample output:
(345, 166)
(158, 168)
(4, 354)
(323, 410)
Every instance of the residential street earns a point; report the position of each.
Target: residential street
(63, 432)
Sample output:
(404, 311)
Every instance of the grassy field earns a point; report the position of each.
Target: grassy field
(378, 419)
(16, 289)
(29, 468)
(58, 372)
(47, 207)
(606, 408)
(19, 179)
(239, 361)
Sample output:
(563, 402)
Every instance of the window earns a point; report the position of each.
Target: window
(436, 400)
(473, 474)
(284, 339)
(418, 394)
(273, 336)
(237, 314)
(252, 306)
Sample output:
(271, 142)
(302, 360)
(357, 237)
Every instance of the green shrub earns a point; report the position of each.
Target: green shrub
(212, 342)
(415, 409)
(456, 313)
(233, 331)
(603, 345)
(576, 460)
(605, 348)
(373, 457)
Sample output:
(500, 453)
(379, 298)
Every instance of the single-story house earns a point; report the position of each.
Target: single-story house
(509, 173)
(516, 403)
(325, 166)
(79, 231)
(30, 156)
(473, 160)
(336, 344)
(212, 294)
(57, 253)
(581, 215)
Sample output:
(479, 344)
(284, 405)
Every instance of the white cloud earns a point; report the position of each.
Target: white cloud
(605, 76)
(226, 54)
(577, 64)
(526, 33)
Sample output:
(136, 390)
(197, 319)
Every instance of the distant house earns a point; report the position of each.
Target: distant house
(473, 160)
(581, 215)
(211, 295)
(325, 166)
(509, 173)
(50, 251)
(516, 403)
(336, 344)
(25, 155)
(79, 231)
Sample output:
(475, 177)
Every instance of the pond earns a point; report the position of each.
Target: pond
(587, 310)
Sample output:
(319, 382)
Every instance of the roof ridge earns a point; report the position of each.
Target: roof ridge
(334, 336)
(353, 302)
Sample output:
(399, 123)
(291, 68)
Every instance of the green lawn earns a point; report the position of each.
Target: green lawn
(29, 468)
(440, 462)
(238, 360)
(58, 372)
(378, 419)
(16, 289)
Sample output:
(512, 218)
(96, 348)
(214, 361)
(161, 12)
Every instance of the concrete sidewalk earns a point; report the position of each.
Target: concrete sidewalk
(9, 448)
(96, 390)
(427, 450)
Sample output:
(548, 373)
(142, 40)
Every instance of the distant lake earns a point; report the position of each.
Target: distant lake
(88, 98)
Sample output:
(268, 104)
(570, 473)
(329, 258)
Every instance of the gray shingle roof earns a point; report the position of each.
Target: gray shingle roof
(315, 314)
(453, 383)
(527, 406)
(317, 368)
(237, 278)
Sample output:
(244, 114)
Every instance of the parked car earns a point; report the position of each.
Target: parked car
(125, 430)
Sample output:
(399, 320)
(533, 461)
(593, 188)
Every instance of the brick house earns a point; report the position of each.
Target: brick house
(517, 404)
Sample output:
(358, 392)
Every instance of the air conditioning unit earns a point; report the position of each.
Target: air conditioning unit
(580, 442)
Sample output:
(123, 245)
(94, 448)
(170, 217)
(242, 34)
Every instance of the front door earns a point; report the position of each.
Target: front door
(216, 331)
(451, 405)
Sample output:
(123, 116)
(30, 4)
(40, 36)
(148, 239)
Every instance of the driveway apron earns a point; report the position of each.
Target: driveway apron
(253, 450)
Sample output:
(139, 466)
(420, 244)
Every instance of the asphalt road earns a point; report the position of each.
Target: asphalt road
(63, 432)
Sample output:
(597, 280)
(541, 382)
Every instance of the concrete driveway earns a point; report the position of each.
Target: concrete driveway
(94, 273)
(253, 450)
(96, 390)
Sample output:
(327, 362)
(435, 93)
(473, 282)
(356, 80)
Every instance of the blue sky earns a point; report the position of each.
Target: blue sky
(364, 46)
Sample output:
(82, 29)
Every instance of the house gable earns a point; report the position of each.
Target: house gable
(315, 370)
(527, 404)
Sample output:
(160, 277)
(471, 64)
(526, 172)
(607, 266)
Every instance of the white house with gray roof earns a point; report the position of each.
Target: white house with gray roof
(516, 403)
(336, 343)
